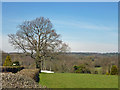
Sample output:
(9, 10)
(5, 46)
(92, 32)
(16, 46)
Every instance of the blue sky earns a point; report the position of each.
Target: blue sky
(85, 26)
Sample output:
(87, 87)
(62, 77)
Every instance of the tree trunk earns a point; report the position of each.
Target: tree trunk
(38, 64)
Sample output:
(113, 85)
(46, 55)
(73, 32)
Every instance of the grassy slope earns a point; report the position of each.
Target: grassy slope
(72, 80)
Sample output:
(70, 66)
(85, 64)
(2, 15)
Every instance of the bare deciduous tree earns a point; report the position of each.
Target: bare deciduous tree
(38, 39)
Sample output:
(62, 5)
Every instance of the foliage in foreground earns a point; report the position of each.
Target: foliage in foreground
(33, 73)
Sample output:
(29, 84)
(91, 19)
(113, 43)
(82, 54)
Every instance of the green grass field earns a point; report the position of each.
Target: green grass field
(73, 80)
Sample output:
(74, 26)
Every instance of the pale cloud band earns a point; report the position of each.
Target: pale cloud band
(75, 46)
(92, 47)
(84, 25)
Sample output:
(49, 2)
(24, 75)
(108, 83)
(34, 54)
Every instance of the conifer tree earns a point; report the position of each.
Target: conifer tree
(114, 70)
(8, 61)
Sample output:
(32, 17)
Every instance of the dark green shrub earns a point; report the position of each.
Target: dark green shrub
(13, 69)
(81, 69)
(96, 72)
(107, 73)
(75, 67)
(16, 63)
(8, 61)
(114, 70)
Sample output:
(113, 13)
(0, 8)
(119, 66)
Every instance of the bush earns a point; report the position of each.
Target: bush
(96, 72)
(75, 67)
(33, 73)
(107, 73)
(8, 61)
(114, 70)
(13, 69)
(17, 82)
(81, 69)
(16, 63)
(78, 71)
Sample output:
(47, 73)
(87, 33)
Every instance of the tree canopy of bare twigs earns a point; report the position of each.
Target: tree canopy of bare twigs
(38, 39)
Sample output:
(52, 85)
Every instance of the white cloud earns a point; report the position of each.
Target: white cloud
(84, 25)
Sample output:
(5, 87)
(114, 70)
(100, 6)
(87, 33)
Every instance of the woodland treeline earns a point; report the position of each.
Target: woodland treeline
(92, 63)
